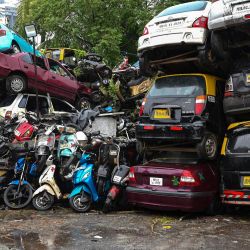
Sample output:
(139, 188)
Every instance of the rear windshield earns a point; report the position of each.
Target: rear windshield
(239, 143)
(191, 86)
(186, 7)
(7, 101)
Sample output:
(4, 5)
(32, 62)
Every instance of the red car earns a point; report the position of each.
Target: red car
(18, 75)
(165, 185)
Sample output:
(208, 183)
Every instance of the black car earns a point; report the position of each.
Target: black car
(180, 110)
(237, 96)
(235, 164)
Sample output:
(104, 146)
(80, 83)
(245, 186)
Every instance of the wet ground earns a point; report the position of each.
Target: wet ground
(61, 228)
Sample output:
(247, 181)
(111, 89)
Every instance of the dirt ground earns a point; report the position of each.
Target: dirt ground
(61, 228)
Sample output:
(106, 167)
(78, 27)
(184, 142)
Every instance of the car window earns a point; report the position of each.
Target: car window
(23, 102)
(186, 7)
(239, 143)
(190, 86)
(7, 101)
(61, 106)
(42, 102)
(55, 55)
(58, 69)
(40, 62)
(27, 58)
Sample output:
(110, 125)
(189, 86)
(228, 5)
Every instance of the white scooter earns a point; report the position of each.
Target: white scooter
(50, 188)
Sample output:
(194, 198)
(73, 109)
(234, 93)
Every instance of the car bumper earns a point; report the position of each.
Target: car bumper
(188, 36)
(184, 201)
(236, 105)
(189, 132)
(236, 197)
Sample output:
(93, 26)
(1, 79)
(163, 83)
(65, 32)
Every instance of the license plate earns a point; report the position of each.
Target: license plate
(241, 7)
(246, 181)
(117, 178)
(156, 181)
(161, 114)
(167, 25)
(248, 79)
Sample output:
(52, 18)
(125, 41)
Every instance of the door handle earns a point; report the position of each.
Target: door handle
(53, 77)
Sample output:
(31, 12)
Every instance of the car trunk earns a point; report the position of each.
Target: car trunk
(236, 164)
(173, 99)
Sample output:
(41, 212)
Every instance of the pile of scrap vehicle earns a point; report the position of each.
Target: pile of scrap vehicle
(174, 134)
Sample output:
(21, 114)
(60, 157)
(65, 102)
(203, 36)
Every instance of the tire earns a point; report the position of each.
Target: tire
(43, 201)
(218, 45)
(215, 207)
(145, 68)
(107, 205)
(18, 202)
(79, 206)
(15, 48)
(83, 103)
(16, 84)
(208, 148)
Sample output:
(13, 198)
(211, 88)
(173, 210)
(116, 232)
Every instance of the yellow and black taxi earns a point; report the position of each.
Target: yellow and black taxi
(235, 164)
(183, 109)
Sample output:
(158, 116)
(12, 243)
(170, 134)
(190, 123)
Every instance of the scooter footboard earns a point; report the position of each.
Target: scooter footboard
(46, 188)
(78, 190)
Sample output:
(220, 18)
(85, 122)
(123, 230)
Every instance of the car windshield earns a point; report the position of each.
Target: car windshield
(186, 7)
(190, 86)
(7, 101)
(239, 143)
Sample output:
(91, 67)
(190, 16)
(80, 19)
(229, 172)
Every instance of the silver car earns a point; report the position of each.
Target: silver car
(228, 13)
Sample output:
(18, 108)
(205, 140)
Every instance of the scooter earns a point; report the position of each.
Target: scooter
(53, 184)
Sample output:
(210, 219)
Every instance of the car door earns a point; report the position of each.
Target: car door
(61, 83)
(27, 65)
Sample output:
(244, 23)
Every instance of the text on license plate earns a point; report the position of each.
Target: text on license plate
(170, 24)
(246, 181)
(241, 7)
(161, 114)
(156, 181)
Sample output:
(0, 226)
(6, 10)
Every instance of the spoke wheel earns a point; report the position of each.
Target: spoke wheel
(43, 201)
(16, 200)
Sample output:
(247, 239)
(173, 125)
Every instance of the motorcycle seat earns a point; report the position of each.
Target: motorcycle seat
(136, 82)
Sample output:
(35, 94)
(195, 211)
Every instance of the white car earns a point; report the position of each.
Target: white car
(15, 104)
(177, 29)
(229, 21)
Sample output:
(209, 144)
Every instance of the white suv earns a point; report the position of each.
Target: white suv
(16, 104)
(178, 29)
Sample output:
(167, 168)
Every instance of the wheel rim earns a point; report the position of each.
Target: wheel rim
(84, 104)
(16, 85)
(43, 201)
(79, 204)
(18, 199)
(16, 49)
(210, 147)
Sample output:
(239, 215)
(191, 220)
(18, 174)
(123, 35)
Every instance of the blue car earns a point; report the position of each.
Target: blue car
(11, 41)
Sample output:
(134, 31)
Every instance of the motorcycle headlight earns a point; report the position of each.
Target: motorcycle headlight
(86, 175)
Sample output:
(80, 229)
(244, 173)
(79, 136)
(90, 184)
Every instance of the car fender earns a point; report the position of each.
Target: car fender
(78, 190)
(46, 188)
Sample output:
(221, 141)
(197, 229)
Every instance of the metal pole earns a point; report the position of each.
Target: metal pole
(35, 66)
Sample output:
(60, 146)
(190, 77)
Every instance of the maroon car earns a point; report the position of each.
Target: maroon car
(171, 185)
(17, 74)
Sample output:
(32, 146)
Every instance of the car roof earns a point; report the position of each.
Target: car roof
(193, 74)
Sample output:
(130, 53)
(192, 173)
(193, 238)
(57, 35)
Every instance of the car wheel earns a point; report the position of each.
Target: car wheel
(15, 48)
(208, 147)
(218, 45)
(215, 206)
(16, 84)
(83, 103)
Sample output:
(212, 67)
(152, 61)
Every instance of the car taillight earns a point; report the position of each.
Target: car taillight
(8, 114)
(247, 16)
(188, 179)
(131, 175)
(142, 107)
(200, 103)
(229, 88)
(176, 128)
(201, 22)
(2, 32)
(145, 31)
(149, 127)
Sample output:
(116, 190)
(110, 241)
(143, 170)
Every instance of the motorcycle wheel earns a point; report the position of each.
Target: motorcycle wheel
(43, 201)
(81, 202)
(107, 205)
(15, 200)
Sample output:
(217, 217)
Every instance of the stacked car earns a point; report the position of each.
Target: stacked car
(193, 48)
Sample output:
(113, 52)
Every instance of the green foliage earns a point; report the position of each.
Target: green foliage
(104, 26)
